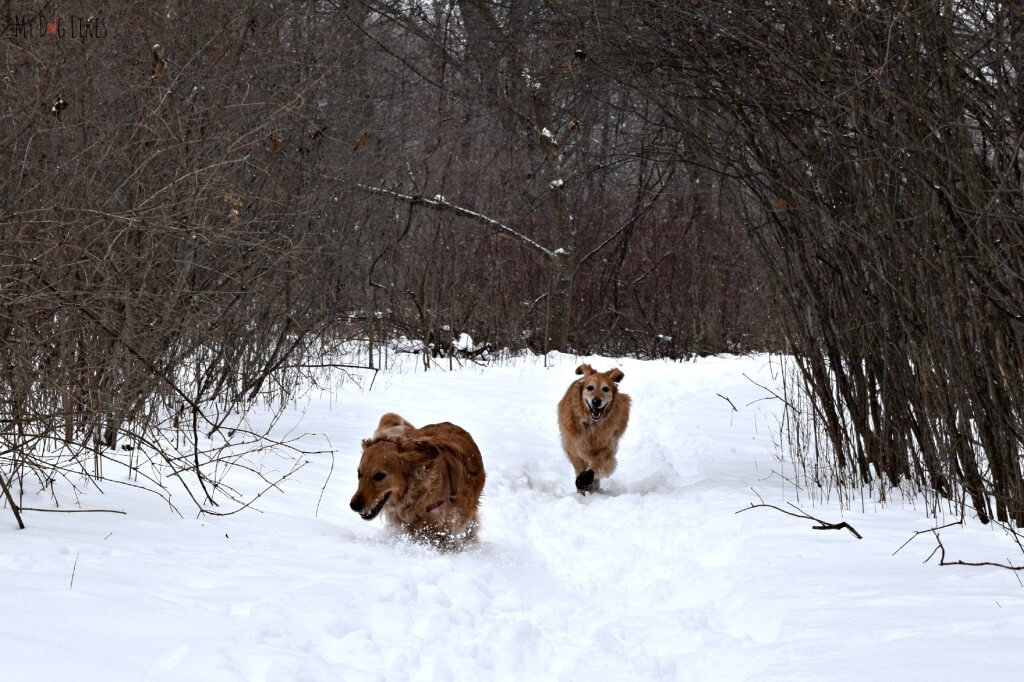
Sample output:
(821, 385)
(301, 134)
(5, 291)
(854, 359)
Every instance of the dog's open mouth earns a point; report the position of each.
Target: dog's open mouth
(368, 514)
(596, 412)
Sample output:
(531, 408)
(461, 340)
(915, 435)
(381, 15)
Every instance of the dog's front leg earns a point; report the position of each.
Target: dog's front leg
(578, 463)
(601, 464)
(602, 461)
(581, 467)
(589, 480)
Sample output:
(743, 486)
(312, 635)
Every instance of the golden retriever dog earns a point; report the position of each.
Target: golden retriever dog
(592, 416)
(427, 481)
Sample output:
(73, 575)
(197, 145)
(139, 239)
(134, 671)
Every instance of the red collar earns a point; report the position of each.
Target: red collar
(434, 506)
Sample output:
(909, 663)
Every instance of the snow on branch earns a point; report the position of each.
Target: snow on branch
(440, 203)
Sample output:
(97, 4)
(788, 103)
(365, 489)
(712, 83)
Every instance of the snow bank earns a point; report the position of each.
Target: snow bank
(655, 579)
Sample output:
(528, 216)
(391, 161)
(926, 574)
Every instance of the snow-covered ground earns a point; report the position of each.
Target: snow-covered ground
(657, 578)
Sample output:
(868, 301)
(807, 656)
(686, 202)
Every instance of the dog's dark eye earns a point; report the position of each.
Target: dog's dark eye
(590, 388)
(604, 388)
(379, 476)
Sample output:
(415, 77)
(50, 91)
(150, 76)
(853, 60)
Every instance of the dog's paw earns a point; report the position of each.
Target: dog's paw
(585, 481)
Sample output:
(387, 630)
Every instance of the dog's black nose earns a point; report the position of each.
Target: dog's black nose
(356, 505)
(596, 402)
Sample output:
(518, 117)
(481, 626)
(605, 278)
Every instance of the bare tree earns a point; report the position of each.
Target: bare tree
(516, 66)
(508, 127)
(167, 243)
(199, 202)
(873, 152)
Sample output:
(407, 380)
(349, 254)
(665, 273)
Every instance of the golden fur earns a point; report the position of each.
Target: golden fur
(427, 482)
(592, 416)
(392, 425)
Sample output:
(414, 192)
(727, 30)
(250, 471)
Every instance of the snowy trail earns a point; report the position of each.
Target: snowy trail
(655, 578)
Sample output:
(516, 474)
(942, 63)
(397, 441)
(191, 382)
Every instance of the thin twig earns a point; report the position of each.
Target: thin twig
(316, 513)
(941, 550)
(774, 394)
(10, 501)
(958, 562)
(75, 511)
(73, 568)
(801, 514)
(439, 203)
(326, 365)
(927, 530)
(272, 485)
(728, 401)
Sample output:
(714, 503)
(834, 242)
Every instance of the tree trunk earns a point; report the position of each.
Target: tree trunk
(562, 261)
(559, 302)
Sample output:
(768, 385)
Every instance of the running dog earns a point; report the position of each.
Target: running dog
(427, 482)
(592, 416)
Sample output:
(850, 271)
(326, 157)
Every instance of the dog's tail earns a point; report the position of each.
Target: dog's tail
(392, 425)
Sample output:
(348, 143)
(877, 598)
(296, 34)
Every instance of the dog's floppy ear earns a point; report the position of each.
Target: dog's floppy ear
(616, 375)
(418, 450)
(454, 475)
(366, 443)
(584, 369)
(425, 443)
(422, 449)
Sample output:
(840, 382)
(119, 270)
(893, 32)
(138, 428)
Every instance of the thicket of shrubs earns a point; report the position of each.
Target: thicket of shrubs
(199, 202)
(874, 151)
(185, 222)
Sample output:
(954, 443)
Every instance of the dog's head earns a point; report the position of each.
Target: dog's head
(598, 389)
(384, 472)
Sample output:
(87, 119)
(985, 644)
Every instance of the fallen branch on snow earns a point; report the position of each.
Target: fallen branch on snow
(728, 401)
(801, 514)
(941, 549)
(74, 511)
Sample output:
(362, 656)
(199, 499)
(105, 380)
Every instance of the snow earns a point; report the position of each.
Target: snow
(556, 183)
(406, 345)
(463, 343)
(656, 578)
(528, 78)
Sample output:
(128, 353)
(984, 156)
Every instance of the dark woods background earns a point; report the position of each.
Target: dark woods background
(196, 204)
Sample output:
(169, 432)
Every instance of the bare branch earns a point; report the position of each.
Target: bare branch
(940, 548)
(75, 511)
(439, 203)
(801, 514)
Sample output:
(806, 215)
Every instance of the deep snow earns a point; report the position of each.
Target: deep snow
(656, 578)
